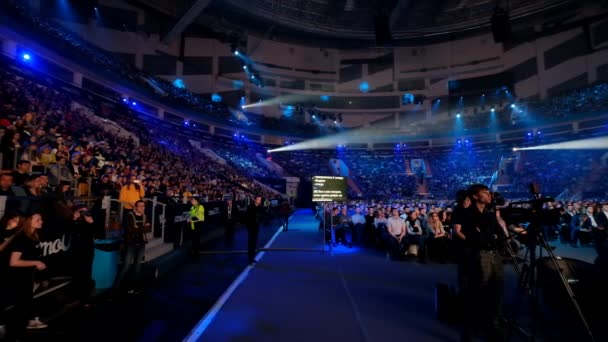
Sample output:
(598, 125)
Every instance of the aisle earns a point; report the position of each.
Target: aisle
(349, 294)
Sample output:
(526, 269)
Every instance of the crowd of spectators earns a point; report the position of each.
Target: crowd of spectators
(41, 127)
(579, 101)
(366, 223)
(558, 171)
(62, 39)
(380, 175)
(455, 170)
(244, 156)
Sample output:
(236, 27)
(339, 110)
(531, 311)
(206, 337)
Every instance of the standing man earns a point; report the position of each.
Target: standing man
(284, 212)
(230, 219)
(255, 215)
(486, 239)
(135, 239)
(358, 225)
(600, 236)
(396, 233)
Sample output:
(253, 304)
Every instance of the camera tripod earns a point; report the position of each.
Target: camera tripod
(528, 275)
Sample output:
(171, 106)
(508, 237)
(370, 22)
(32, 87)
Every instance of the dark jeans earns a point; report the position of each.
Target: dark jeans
(396, 247)
(344, 232)
(134, 255)
(358, 233)
(82, 281)
(285, 220)
(483, 297)
(252, 241)
(196, 236)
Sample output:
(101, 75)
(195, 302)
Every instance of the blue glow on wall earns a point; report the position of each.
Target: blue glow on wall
(179, 83)
(237, 84)
(364, 87)
(325, 98)
(288, 110)
(216, 97)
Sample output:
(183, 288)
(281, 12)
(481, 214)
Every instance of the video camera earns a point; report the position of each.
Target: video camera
(528, 211)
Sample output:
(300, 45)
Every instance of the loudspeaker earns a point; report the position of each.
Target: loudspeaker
(383, 30)
(586, 280)
(501, 26)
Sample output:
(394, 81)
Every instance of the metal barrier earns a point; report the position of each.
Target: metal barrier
(161, 218)
(115, 215)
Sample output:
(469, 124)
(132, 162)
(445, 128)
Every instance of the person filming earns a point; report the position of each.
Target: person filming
(486, 240)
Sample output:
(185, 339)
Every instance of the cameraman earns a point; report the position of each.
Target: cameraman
(486, 239)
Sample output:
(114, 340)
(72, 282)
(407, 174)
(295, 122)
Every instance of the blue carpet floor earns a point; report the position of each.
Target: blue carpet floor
(348, 294)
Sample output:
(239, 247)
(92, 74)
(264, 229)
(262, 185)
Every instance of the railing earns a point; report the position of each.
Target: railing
(115, 215)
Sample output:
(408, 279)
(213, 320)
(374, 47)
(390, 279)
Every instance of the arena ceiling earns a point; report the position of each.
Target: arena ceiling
(355, 21)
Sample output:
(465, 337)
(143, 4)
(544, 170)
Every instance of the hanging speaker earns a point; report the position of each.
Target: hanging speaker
(383, 30)
(501, 26)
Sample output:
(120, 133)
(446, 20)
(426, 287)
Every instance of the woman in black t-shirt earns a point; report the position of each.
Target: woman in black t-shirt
(24, 260)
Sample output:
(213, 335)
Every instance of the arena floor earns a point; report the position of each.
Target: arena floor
(346, 294)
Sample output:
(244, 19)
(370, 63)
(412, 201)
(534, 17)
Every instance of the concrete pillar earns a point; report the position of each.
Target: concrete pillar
(540, 65)
(139, 60)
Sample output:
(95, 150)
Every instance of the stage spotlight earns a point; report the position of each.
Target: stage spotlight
(216, 97)
(26, 57)
(245, 67)
(512, 105)
(364, 87)
(492, 110)
(313, 116)
(179, 83)
(236, 52)
(134, 103)
(458, 115)
(125, 100)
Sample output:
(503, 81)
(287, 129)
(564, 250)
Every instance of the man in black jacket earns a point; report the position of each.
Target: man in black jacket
(230, 218)
(255, 215)
(486, 240)
(600, 236)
